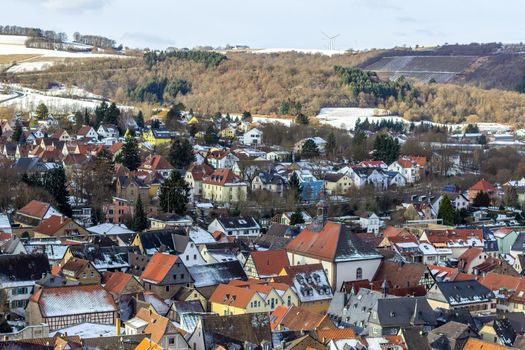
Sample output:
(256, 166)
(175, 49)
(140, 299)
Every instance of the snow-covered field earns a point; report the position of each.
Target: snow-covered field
(306, 51)
(15, 45)
(345, 118)
(57, 100)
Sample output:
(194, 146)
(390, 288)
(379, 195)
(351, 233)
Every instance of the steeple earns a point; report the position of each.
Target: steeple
(322, 209)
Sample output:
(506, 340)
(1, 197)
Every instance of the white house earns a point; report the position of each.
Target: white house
(252, 137)
(87, 133)
(372, 223)
(108, 131)
(236, 227)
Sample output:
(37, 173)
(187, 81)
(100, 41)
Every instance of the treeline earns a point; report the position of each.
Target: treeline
(95, 40)
(159, 90)
(384, 124)
(367, 82)
(210, 59)
(48, 35)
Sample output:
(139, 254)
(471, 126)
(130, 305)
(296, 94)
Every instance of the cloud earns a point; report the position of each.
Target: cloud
(143, 39)
(381, 5)
(72, 6)
(407, 19)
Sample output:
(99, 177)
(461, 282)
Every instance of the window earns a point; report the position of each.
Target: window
(359, 274)
(167, 288)
(171, 340)
(194, 256)
(182, 276)
(187, 257)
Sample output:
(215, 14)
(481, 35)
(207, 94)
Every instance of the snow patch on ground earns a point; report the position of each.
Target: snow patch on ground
(305, 51)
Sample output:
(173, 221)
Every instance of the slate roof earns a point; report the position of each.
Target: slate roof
(505, 332)
(23, 267)
(102, 257)
(173, 241)
(237, 222)
(214, 274)
(403, 312)
(464, 292)
(335, 242)
(519, 243)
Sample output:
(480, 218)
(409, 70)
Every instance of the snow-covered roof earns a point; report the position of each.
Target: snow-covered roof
(5, 224)
(200, 236)
(74, 300)
(88, 330)
(109, 229)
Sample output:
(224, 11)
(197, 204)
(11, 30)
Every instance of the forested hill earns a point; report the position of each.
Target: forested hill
(209, 82)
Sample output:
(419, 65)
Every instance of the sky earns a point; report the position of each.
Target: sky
(361, 24)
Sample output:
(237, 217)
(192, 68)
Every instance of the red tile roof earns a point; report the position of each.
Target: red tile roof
(483, 185)
(231, 295)
(333, 241)
(200, 171)
(35, 209)
(50, 226)
(221, 177)
(116, 282)
(155, 163)
(158, 267)
(269, 263)
(299, 319)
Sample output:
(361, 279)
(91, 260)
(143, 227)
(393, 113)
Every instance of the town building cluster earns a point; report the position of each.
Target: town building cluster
(442, 270)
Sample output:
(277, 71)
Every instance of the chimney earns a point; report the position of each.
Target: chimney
(61, 219)
(117, 326)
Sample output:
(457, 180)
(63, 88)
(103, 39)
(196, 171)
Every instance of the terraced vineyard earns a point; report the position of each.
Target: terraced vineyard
(422, 68)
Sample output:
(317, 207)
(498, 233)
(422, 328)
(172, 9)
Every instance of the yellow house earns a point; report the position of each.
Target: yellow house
(157, 137)
(227, 133)
(242, 297)
(224, 186)
(337, 183)
(193, 120)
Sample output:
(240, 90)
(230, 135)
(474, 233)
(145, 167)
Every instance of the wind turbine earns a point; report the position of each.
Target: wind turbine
(331, 40)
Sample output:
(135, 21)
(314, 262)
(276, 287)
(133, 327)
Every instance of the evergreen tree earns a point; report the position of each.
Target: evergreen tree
(172, 117)
(129, 155)
(174, 193)
(446, 211)
(55, 182)
(17, 132)
(87, 117)
(140, 220)
(331, 145)
(295, 186)
(296, 217)
(309, 149)
(302, 119)
(246, 115)
(211, 137)
(41, 111)
(482, 199)
(112, 114)
(181, 153)
(193, 130)
(100, 113)
(386, 148)
(140, 120)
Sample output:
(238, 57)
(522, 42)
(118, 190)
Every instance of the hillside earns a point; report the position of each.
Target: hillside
(264, 83)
